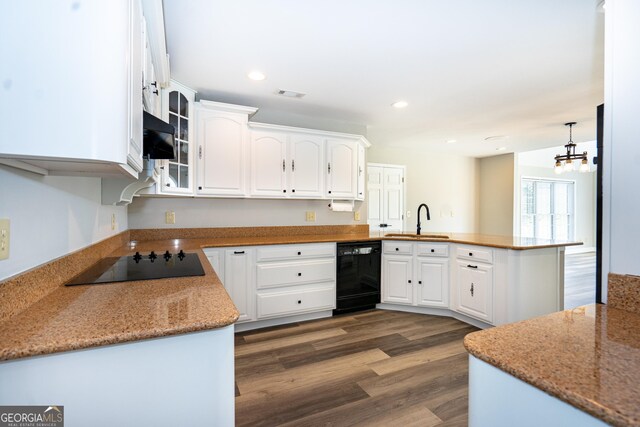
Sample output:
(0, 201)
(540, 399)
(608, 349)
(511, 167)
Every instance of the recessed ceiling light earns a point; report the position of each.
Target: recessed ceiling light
(501, 148)
(451, 141)
(399, 104)
(256, 75)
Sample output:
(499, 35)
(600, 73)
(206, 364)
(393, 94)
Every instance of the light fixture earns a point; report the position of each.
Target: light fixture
(256, 75)
(571, 155)
(451, 141)
(501, 148)
(399, 104)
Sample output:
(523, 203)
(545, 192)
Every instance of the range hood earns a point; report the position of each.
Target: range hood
(158, 138)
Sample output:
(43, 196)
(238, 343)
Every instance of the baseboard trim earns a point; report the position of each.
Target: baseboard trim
(435, 312)
(259, 324)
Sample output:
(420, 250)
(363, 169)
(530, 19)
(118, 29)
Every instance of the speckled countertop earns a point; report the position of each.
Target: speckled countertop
(39, 315)
(588, 357)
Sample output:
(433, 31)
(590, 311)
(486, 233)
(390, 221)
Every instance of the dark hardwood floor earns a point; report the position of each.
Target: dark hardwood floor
(373, 368)
(579, 279)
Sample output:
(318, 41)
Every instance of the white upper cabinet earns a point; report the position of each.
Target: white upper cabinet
(361, 172)
(177, 109)
(222, 149)
(81, 86)
(268, 163)
(285, 164)
(306, 154)
(385, 197)
(342, 163)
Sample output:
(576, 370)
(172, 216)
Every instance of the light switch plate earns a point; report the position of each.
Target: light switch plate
(311, 216)
(5, 238)
(356, 216)
(170, 217)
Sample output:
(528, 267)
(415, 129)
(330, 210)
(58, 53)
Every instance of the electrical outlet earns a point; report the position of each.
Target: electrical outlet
(113, 221)
(356, 216)
(311, 216)
(5, 237)
(408, 214)
(170, 217)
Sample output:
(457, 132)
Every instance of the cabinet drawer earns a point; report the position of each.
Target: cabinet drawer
(432, 249)
(269, 275)
(272, 304)
(475, 253)
(398, 248)
(274, 253)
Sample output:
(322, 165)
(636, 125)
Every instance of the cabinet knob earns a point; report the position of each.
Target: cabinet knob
(299, 253)
(329, 191)
(409, 281)
(284, 191)
(168, 185)
(397, 249)
(419, 282)
(470, 253)
(433, 250)
(199, 188)
(299, 274)
(299, 301)
(293, 190)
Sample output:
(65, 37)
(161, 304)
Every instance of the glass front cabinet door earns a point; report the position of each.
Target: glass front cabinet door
(177, 109)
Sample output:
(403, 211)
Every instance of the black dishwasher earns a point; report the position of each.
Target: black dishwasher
(358, 276)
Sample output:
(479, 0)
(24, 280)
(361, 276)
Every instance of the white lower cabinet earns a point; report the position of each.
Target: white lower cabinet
(296, 279)
(235, 269)
(475, 290)
(415, 274)
(266, 282)
(432, 275)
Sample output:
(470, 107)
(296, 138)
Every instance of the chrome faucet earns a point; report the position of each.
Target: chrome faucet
(428, 216)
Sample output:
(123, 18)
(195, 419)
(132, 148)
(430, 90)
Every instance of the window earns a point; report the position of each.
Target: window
(547, 209)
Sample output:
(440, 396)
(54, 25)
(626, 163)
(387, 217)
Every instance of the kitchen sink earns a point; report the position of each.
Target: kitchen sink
(416, 236)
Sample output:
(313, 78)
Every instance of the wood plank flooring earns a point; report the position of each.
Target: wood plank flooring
(579, 279)
(373, 368)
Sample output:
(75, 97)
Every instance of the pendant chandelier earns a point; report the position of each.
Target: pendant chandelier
(566, 162)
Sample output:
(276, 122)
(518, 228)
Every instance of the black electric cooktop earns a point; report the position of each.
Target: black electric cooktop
(140, 267)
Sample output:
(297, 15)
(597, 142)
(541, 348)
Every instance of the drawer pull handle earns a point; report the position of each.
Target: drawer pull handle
(472, 266)
(299, 301)
(433, 250)
(470, 253)
(299, 253)
(238, 252)
(471, 289)
(299, 274)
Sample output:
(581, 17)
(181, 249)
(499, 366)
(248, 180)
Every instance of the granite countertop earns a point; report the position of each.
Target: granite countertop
(588, 357)
(503, 242)
(39, 315)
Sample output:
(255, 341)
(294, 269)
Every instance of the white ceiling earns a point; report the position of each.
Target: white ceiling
(469, 69)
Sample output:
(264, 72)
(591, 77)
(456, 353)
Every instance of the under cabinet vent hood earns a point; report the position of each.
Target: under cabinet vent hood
(159, 142)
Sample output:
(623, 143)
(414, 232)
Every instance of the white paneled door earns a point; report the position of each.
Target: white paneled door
(385, 187)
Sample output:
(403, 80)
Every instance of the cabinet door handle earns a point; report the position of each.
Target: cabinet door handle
(472, 266)
(284, 165)
(238, 252)
(328, 167)
(471, 289)
(359, 171)
(200, 152)
(293, 165)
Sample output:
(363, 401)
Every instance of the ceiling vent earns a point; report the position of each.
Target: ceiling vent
(290, 93)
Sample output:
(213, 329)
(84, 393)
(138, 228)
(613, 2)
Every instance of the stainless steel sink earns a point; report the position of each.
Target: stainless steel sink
(416, 236)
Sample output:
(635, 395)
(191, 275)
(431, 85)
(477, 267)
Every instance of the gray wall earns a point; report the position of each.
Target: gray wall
(496, 207)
